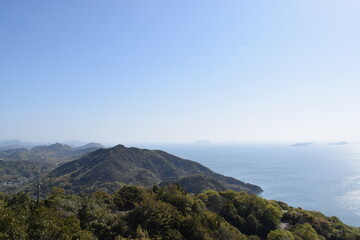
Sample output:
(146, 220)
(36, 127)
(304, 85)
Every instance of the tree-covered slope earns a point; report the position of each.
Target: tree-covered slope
(110, 168)
(163, 213)
(18, 167)
(14, 175)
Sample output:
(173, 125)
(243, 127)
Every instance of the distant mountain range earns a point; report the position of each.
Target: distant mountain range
(55, 153)
(20, 165)
(109, 169)
(91, 167)
(14, 144)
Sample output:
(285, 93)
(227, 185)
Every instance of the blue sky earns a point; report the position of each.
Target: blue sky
(180, 71)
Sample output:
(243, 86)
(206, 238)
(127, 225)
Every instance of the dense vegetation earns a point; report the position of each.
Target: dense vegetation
(163, 213)
(15, 174)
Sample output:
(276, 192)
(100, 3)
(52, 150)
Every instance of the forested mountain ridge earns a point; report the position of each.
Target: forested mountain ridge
(110, 168)
(163, 213)
(16, 174)
(55, 153)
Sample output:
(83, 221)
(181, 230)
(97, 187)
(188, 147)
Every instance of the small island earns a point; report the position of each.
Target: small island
(303, 144)
(339, 143)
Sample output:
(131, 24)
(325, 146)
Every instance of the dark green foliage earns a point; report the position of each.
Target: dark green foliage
(325, 227)
(19, 202)
(167, 213)
(44, 223)
(249, 213)
(22, 218)
(280, 235)
(305, 232)
(97, 215)
(128, 197)
(12, 224)
(198, 183)
(176, 196)
(159, 218)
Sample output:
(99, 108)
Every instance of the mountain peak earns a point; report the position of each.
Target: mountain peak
(119, 146)
(119, 165)
(53, 147)
(92, 145)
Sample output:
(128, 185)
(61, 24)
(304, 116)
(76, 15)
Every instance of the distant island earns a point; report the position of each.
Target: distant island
(202, 142)
(339, 143)
(303, 144)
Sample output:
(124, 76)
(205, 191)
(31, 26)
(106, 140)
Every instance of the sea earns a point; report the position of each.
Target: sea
(324, 178)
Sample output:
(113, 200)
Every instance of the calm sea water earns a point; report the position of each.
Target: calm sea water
(323, 178)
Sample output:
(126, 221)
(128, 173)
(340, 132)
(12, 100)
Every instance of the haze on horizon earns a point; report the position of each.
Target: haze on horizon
(180, 71)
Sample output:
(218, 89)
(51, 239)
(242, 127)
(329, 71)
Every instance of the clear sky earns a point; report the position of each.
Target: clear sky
(179, 71)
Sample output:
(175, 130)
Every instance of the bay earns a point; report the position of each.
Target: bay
(324, 178)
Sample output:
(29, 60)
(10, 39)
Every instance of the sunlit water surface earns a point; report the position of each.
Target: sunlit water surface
(323, 178)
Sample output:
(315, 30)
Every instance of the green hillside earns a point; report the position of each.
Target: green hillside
(14, 175)
(163, 213)
(107, 169)
(18, 167)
